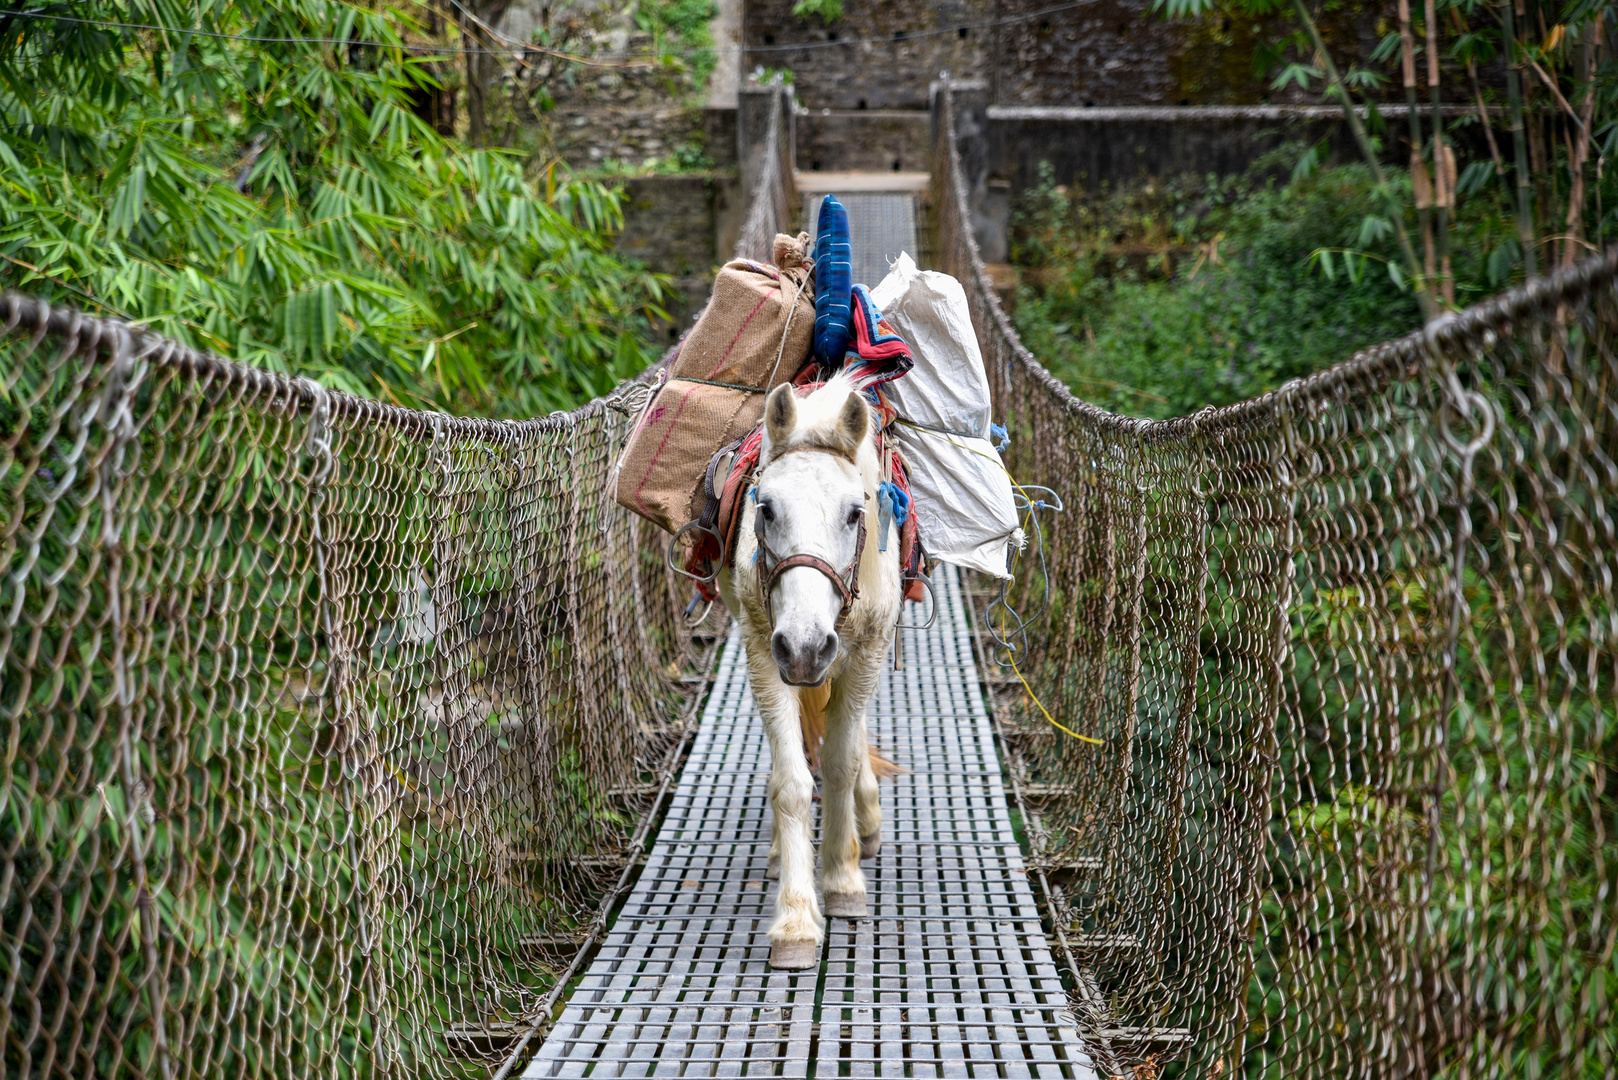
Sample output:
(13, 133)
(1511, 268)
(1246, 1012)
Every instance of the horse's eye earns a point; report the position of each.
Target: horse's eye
(854, 516)
(766, 512)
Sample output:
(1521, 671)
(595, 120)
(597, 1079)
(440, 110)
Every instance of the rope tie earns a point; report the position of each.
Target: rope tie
(893, 507)
(317, 439)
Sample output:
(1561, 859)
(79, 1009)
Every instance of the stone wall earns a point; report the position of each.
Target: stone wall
(883, 54)
(885, 140)
(898, 49)
(630, 115)
(1095, 149)
(608, 111)
(684, 226)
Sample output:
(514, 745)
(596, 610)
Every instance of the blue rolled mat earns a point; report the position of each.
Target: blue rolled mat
(834, 282)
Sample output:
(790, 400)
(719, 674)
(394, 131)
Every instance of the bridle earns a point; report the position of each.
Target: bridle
(772, 566)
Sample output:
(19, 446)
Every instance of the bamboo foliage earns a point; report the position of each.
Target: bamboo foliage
(268, 180)
(1542, 74)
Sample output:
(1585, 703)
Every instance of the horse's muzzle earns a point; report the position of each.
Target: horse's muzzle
(803, 663)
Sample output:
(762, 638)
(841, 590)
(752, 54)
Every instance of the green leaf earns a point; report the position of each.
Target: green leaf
(1474, 178)
(1296, 73)
(127, 203)
(1503, 260)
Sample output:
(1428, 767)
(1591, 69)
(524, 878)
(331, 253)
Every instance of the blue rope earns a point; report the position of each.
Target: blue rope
(893, 505)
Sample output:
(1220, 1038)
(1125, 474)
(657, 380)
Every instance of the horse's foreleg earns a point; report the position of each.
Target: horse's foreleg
(796, 933)
(843, 759)
(868, 807)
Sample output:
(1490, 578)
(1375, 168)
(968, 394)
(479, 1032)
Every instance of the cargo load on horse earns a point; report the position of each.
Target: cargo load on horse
(754, 335)
(944, 423)
(804, 471)
(945, 492)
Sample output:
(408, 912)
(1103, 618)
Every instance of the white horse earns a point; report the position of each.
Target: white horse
(818, 605)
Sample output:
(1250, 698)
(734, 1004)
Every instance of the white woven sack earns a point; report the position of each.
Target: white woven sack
(961, 489)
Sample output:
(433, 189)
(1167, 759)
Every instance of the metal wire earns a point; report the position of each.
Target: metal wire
(1351, 647)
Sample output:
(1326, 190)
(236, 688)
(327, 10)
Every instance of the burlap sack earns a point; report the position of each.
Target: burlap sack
(755, 333)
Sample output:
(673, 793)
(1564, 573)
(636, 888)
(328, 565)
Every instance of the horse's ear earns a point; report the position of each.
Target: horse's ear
(854, 421)
(780, 414)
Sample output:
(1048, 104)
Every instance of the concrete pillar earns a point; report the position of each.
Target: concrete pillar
(752, 129)
(988, 201)
(725, 82)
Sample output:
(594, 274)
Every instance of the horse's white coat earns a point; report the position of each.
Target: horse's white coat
(807, 496)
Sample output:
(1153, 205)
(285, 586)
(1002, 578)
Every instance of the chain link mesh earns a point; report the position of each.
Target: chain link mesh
(1350, 649)
(327, 723)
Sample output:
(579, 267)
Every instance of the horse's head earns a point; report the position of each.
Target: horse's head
(813, 494)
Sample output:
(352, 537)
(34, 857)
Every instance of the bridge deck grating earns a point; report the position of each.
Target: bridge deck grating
(950, 975)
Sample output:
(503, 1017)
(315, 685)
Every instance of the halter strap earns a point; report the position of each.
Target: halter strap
(846, 581)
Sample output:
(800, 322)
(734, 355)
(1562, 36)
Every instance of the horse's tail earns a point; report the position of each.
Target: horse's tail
(812, 715)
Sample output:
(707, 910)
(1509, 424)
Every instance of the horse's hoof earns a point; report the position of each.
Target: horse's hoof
(772, 869)
(847, 905)
(794, 955)
(870, 846)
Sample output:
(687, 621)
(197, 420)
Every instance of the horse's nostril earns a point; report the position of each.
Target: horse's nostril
(780, 649)
(828, 649)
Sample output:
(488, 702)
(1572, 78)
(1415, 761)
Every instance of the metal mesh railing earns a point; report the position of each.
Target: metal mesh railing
(327, 724)
(1351, 650)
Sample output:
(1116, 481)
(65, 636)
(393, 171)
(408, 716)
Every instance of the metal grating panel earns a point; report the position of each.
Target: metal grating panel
(880, 226)
(950, 975)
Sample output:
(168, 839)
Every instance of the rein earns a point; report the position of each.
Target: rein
(772, 566)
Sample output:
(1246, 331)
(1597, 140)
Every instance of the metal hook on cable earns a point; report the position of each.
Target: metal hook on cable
(932, 611)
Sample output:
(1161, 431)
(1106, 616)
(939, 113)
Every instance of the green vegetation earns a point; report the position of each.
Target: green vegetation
(281, 202)
(681, 33)
(1161, 300)
(269, 181)
(1556, 121)
(828, 11)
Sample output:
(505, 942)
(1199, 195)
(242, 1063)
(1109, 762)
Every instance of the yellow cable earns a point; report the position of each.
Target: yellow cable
(1028, 514)
(1012, 656)
(1048, 716)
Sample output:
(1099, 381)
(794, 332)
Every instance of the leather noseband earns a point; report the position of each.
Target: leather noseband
(772, 566)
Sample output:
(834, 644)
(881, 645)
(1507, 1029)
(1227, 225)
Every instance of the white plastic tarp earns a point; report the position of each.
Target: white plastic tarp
(962, 493)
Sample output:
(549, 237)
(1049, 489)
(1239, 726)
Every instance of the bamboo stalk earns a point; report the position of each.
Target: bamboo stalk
(1407, 51)
(1525, 219)
(1581, 147)
(1443, 186)
(1367, 150)
(1483, 118)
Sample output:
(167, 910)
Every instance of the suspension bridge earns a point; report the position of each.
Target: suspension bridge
(345, 739)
